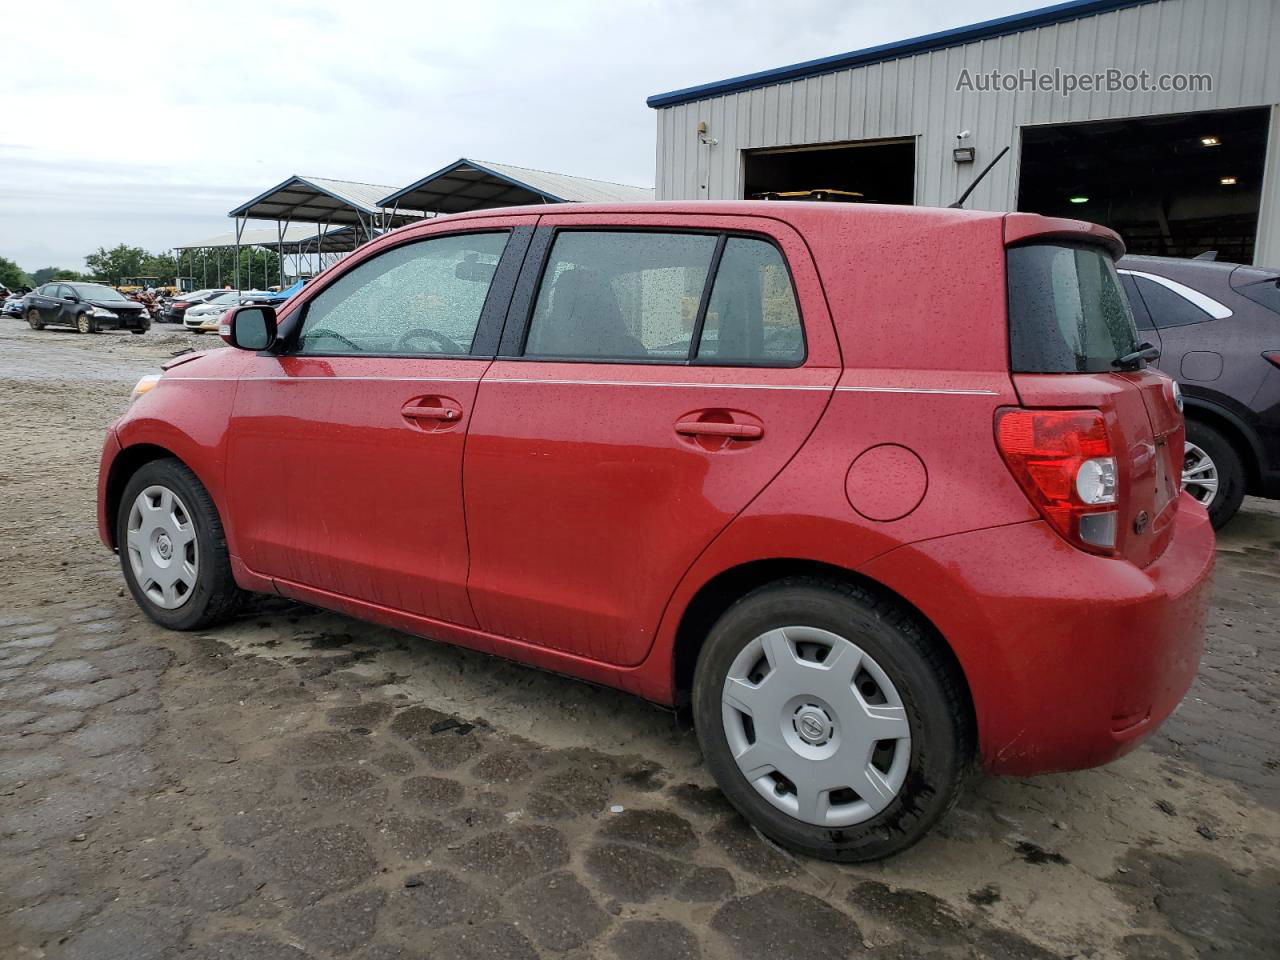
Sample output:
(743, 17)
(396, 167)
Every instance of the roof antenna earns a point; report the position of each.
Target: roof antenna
(977, 180)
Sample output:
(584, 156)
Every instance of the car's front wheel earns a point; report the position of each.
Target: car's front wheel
(34, 319)
(1212, 472)
(173, 550)
(85, 324)
(831, 720)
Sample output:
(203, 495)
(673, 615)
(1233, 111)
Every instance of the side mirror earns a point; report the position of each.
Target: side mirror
(72, 298)
(249, 328)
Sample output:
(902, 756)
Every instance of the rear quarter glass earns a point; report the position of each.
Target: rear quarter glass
(1067, 310)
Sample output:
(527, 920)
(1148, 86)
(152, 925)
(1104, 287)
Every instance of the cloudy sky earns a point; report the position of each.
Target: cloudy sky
(145, 122)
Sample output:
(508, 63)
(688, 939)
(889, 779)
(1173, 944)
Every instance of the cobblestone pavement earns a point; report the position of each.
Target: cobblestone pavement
(299, 784)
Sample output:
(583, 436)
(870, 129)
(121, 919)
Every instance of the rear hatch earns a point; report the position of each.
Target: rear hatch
(1070, 326)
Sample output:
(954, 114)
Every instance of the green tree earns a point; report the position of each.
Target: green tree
(45, 274)
(12, 275)
(162, 266)
(117, 263)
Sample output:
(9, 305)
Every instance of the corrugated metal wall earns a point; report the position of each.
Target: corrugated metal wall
(1236, 41)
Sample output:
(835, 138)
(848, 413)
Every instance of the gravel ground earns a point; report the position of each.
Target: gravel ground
(298, 784)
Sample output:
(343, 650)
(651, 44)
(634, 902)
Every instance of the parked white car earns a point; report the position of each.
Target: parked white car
(204, 317)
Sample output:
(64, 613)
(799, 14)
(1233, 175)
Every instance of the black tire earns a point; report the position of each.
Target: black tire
(140, 329)
(1231, 478)
(215, 597)
(927, 680)
(34, 319)
(85, 323)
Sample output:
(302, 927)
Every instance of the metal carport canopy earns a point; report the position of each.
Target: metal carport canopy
(298, 238)
(466, 185)
(320, 200)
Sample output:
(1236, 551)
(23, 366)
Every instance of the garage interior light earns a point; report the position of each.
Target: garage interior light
(1079, 199)
(1210, 141)
(1228, 181)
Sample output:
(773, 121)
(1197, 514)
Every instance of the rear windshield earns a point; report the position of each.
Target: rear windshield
(1265, 292)
(1067, 310)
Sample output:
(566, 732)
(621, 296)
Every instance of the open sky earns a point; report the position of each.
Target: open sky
(145, 121)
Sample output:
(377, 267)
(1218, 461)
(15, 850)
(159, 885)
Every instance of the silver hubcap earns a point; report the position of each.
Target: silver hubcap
(1199, 474)
(816, 726)
(161, 540)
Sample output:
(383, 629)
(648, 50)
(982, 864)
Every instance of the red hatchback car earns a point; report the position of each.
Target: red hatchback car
(876, 491)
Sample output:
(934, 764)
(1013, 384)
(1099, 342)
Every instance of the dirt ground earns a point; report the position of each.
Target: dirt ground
(299, 784)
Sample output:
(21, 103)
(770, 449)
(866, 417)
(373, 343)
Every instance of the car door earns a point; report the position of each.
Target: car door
(344, 461)
(654, 377)
(48, 302)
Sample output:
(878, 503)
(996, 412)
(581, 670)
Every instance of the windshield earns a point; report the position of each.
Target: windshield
(96, 291)
(230, 296)
(1067, 310)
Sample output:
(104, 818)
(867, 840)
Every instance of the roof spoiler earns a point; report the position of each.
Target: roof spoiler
(1031, 227)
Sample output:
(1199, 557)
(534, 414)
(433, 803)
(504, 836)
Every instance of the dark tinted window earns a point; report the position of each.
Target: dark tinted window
(1067, 310)
(1140, 316)
(1168, 309)
(621, 296)
(752, 317)
(1265, 292)
(421, 298)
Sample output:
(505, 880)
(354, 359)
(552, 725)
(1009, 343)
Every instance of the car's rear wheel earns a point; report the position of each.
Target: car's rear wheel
(1212, 472)
(831, 719)
(85, 324)
(173, 550)
(34, 319)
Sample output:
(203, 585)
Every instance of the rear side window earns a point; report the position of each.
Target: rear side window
(1168, 309)
(1141, 318)
(641, 296)
(621, 296)
(1265, 292)
(1067, 310)
(752, 316)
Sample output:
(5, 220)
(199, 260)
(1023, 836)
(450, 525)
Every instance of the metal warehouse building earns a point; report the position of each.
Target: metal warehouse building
(1182, 160)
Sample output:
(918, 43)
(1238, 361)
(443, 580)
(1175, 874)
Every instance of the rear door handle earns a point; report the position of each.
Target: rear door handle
(445, 412)
(710, 428)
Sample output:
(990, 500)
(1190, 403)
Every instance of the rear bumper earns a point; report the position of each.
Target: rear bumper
(1072, 659)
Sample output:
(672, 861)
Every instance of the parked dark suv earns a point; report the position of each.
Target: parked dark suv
(89, 307)
(1218, 329)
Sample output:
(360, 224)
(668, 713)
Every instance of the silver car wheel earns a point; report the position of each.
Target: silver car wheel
(816, 726)
(162, 546)
(1199, 474)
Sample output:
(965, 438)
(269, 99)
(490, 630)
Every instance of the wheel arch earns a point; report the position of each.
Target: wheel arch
(1235, 432)
(724, 589)
(127, 462)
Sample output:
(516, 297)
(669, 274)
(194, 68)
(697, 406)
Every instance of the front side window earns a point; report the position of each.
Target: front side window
(1067, 310)
(620, 296)
(422, 298)
(752, 317)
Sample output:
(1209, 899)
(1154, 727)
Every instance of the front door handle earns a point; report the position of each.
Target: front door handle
(712, 428)
(435, 408)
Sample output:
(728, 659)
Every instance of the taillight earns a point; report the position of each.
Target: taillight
(181, 305)
(1064, 463)
(1273, 356)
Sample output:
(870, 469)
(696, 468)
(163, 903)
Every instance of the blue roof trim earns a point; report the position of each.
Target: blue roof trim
(1002, 26)
(393, 199)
